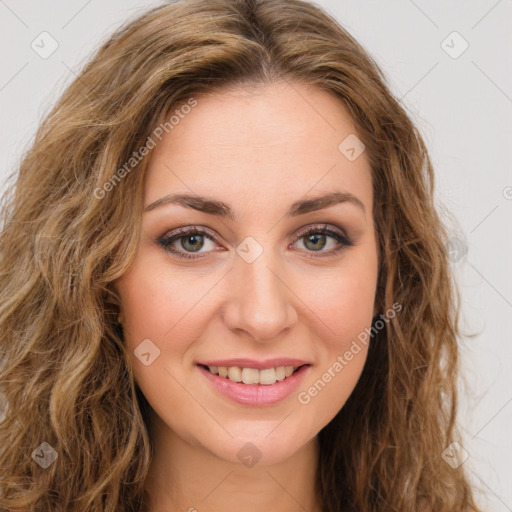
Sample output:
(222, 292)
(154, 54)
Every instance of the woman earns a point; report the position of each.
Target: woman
(224, 282)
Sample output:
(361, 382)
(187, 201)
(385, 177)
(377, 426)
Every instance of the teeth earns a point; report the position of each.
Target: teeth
(250, 376)
(280, 372)
(235, 374)
(266, 376)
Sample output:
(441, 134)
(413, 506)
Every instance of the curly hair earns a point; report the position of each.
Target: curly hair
(64, 372)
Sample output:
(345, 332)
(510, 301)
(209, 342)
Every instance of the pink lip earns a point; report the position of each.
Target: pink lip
(256, 394)
(252, 363)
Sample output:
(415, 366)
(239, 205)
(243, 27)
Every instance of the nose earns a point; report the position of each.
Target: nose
(260, 303)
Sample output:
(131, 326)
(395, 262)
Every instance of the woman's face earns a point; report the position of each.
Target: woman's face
(261, 287)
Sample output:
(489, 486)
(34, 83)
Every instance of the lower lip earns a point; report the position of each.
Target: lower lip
(256, 394)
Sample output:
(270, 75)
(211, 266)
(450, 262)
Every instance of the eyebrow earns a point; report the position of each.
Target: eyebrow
(214, 207)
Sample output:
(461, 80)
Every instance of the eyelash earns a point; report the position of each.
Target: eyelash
(166, 241)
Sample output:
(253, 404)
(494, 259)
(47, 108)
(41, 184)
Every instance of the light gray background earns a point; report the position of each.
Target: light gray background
(463, 107)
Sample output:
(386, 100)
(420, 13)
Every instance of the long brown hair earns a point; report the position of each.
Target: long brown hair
(67, 236)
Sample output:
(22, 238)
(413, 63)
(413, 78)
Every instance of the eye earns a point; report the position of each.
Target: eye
(187, 241)
(191, 240)
(315, 239)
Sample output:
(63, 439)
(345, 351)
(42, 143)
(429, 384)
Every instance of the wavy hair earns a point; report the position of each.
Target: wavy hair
(64, 372)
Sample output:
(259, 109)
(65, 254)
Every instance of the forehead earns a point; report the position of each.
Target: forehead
(276, 142)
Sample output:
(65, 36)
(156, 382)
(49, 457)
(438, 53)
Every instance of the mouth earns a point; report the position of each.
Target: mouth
(255, 383)
(253, 376)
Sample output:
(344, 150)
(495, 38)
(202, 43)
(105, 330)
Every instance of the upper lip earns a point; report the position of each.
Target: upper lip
(253, 363)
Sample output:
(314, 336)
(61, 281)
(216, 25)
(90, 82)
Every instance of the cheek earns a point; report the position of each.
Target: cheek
(341, 303)
(344, 304)
(160, 312)
(327, 393)
(158, 305)
(341, 349)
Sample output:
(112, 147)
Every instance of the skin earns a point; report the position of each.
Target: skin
(258, 151)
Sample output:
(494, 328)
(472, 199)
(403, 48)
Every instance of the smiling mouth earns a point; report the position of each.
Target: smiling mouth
(252, 376)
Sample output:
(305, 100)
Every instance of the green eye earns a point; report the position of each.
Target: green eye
(192, 240)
